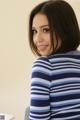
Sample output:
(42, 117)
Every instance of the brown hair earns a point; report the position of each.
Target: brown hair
(62, 21)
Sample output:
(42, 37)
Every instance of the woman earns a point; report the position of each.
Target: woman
(55, 85)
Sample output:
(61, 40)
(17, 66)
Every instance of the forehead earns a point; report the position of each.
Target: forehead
(39, 20)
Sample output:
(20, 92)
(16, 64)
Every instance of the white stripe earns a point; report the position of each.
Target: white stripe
(41, 69)
(67, 118)
(41, 81)
(63, 59)
(64, 70)
(40, 108)
(42, 65)
(39, 97)
(39, 91)
(65, 108)
(65, 102)
(31, 118)
(66, 80)
(67, 111)
(66, 88)
(39, 114)
(61, 93)
(42, 88)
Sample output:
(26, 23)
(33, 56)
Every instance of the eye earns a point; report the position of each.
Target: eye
(46, 30)
(34, 31)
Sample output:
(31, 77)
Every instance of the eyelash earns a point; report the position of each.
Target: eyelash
(45, 30)
(34, 32)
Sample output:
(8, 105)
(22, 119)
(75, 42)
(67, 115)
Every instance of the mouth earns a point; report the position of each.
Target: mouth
(42, 47)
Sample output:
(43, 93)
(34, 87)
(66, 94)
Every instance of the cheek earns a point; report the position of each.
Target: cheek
(50, 45)
(48, 39)
(34, 40)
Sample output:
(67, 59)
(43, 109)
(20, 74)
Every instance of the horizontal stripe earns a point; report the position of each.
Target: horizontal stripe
(55, 87)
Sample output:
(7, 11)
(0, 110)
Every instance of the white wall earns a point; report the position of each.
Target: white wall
(15, 55)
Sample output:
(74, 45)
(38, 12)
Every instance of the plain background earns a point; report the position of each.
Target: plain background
(15, 55)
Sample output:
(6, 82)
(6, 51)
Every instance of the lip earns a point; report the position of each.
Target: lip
(42, 47)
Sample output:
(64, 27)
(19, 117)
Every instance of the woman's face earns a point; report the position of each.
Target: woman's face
(41, 34)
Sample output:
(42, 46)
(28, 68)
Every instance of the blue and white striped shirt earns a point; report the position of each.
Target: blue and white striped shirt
(55, 87)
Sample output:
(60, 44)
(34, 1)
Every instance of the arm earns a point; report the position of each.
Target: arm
(40, 88)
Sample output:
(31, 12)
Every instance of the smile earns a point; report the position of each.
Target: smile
(42, 47)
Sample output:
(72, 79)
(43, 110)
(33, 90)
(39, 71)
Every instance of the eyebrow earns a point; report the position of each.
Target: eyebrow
(42, 26)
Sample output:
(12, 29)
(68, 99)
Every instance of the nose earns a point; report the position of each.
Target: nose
(38, 37)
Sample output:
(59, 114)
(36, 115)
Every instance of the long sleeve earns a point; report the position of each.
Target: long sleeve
(40, 90)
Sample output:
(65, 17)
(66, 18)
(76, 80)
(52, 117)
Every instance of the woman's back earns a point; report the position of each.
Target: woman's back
(65, 86)
(55, 88)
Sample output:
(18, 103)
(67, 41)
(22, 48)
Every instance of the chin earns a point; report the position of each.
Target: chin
(44, 54)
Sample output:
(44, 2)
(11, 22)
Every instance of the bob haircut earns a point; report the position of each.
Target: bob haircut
(62, 21)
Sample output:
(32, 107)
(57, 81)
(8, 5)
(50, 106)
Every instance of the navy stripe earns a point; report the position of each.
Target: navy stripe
(55, 87)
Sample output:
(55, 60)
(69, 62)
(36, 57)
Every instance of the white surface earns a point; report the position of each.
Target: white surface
(7, 116)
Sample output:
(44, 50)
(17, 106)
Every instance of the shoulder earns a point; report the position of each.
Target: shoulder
(42, 61)
(41, 66)
(63, 57)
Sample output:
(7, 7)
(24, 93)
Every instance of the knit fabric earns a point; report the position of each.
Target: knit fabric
(55, 87)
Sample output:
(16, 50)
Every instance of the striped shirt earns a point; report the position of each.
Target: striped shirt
(55, 87)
